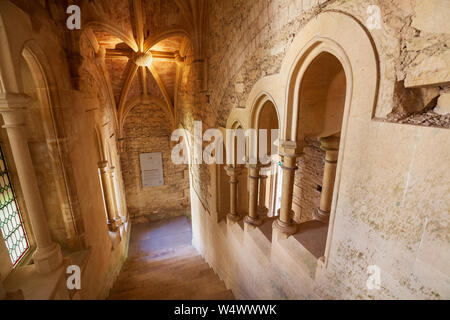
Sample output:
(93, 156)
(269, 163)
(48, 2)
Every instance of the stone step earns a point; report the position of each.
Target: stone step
(179, 251)
(162, 265)
(166, 275)
(145, 267)
(200, 287)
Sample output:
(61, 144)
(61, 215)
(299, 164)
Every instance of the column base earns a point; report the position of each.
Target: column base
(252, 221)
(233, 217)
(262, 212)
(321, 215)
(48, 259)
(287, 228)
(113, 225)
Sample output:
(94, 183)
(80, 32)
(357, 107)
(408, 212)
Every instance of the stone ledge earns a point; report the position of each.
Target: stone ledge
(37, 286)
(79, 258)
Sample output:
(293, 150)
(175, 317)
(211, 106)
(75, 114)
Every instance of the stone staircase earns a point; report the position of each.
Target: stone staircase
(171, 273)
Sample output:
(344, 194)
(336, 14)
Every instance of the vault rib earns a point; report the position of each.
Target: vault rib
(164, 92)
(126, 88)
(139, 24)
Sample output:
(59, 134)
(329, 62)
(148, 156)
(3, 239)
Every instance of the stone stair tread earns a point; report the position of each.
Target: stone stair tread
(166, 268)
(155, 270)
(163, 254)
(191, 272)
(154, 290)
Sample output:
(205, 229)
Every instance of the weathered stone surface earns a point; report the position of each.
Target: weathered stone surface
(147, 130)
(432, 16)
(429, 70)
(443, 104)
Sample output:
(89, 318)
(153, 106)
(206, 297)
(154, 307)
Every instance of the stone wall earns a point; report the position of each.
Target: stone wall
(61, 132)
(389, 195)
(248, 39)
(308, 181)
(147, 130)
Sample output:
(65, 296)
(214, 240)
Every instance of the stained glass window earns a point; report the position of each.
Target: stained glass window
(11, 223)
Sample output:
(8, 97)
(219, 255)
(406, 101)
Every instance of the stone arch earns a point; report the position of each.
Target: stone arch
(322, 95)
(50, 111)
(328, 34)
(149, 43)
(265, 107)
(260, 102)
(113, 30)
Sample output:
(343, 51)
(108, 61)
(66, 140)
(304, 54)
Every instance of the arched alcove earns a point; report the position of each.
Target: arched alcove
(48, 150)
(242, 196)
(267, 119)
(321, 104)
(322, 98)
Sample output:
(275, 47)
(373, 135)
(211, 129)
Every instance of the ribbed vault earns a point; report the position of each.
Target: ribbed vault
(169, 31)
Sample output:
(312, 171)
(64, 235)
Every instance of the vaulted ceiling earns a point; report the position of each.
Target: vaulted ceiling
(124, 32)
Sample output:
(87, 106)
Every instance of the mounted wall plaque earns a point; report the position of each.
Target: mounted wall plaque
(151, 169)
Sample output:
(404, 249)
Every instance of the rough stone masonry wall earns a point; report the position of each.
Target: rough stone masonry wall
(247, 40)
(146, 130)
(308, 178)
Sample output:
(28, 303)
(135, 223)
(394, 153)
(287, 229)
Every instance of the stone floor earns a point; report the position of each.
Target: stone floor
(162, 265)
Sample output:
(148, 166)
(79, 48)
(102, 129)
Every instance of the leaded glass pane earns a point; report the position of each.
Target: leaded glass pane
(11, 224)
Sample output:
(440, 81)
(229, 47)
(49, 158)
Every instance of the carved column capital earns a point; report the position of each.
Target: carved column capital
(288, 149)
(233, 171)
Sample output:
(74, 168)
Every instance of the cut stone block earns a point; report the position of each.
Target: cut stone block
(443, 104)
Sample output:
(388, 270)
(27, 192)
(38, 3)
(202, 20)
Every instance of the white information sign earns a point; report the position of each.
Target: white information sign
(151, 169)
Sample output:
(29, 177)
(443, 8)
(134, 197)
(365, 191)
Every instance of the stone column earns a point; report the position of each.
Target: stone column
(47, 256)
(262, 209)
(331, 147)
(253, 218)
(233, 172)
(285, 223)
(118, 218)
(107, 193)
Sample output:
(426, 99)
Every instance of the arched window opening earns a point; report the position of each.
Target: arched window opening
(11, 222)
(321, 108)
(271, 176)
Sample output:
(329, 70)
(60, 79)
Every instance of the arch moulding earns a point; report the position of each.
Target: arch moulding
(348, 40)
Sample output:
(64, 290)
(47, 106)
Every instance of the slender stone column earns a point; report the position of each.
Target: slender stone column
(285, 223)
(107, 193)
(47, 256)
(331, 147)
(233, 172)
(262, 209)
(253, 218)
(118, 218)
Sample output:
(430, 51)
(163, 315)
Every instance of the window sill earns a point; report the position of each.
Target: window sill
(35, 286)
